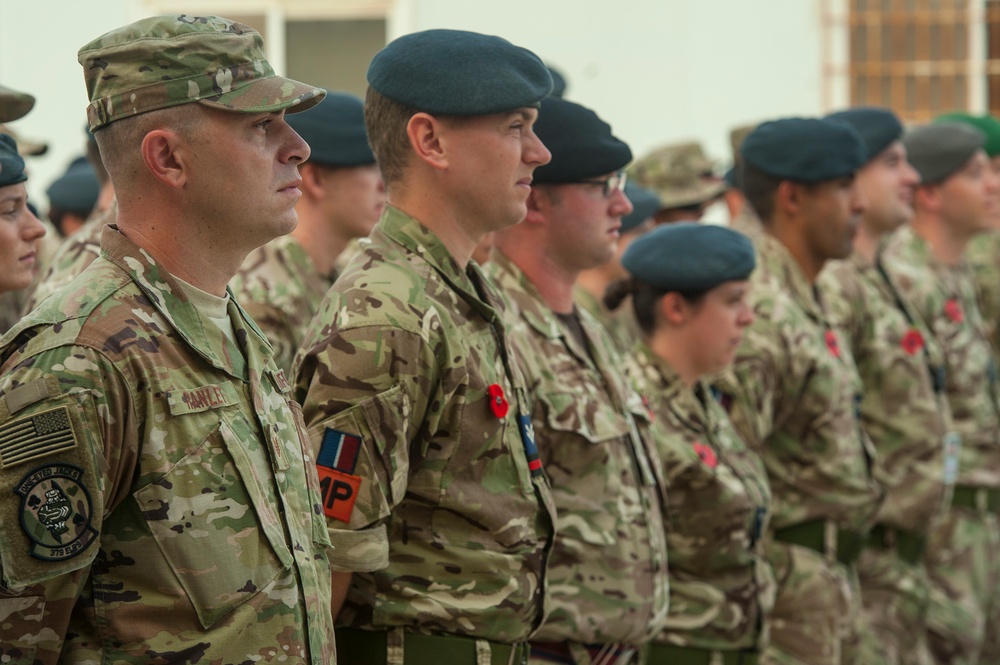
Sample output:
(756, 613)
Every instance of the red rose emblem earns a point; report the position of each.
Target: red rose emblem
(912, 341)
(498, 403)
(706, 454)
(831, 343)
(953, 311)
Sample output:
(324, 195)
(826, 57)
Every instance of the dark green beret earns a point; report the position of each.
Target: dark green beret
(77, 189)
(804, 149)
(939, 149)
(581, 144)
(689, 257)
(11, 164)
(558, 82)
(987, 124)
(645, 203)
(335, 131)
(454, 72)
(878, 127)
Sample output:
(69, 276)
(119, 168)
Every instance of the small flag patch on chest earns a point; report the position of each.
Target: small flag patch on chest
(339, 451)
(36, 436)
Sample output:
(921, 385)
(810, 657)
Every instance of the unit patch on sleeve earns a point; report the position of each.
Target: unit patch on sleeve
(338, 456)
(56, 512)
(42, 434)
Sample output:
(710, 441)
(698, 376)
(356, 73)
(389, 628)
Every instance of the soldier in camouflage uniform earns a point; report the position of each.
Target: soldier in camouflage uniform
(158, 497)
(795, 388)
(282, 284)
(682, 176)
(608, 572)
(742, 216)
(592, 283)
(689, 288)
(903, 406)
(956, 201)
(438, 507)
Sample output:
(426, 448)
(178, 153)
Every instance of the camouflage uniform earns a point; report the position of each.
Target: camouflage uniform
(795, 390)
(280, 288)
(608, 572)
(681, 174)
(446, 529)
(620, 323)
(906, 414)
(71, 258)
(964, 546)
(721, 585)
(159, 477)
(984, 257)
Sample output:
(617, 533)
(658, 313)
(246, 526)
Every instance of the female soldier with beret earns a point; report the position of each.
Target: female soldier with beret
(688, 286)
(19, 228)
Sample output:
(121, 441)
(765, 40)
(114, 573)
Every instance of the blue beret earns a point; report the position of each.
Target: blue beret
(454, 72)
(878, 127)
(689, 257)
(77, 189)
(335, 131)
(558, 82)
(938, 150)
(987, 124)
(581, 144)
(11, 164)
(645, 203)
(804, 149)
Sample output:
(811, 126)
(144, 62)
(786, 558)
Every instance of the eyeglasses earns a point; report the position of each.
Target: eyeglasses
(613, 183)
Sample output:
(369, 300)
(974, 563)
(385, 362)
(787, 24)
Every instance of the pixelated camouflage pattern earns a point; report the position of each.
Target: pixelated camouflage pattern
(721, 585)
(163, 61)
(211, 546)
(983, 255)
(281, 290)
(70, 258)
(620, 324)
(607, 575)
(14, 105)
(795, 390)
(934, 290)
(680, 174)
(450, 531)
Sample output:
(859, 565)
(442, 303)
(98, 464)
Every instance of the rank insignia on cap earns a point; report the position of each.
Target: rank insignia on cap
(338, 456)
(36, 436)
(56, 512)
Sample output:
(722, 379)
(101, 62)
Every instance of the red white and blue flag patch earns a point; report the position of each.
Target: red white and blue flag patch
(338, 455)
(339, 451)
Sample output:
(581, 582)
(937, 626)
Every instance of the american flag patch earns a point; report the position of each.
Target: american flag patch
(339, 451)
(36, 436)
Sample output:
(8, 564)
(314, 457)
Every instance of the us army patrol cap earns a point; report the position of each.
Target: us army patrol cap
(938, 150)
(14, 104)
(680, 174)
(691, 257)
(335, 131)
(878, 127)
(454, 72)
(11, 162)
(987, 124)
(804, 149)
(581, 144)
(164, 61)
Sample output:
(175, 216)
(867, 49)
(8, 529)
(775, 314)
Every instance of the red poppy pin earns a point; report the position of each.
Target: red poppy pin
(953, 311)
(831, 343)
(912, 341)
(649, 409)
(498, 403)
(706, 454)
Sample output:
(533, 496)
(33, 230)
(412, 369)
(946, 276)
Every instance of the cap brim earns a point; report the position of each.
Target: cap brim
(274, 93)
(14, 105)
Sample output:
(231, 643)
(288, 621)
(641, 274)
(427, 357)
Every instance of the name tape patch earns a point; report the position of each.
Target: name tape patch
(56, 512)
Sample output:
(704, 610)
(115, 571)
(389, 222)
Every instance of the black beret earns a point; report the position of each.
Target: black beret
(11, 164)
(645, 203)
(77, 189)
(454, 72)
(558, 82)
(938, 150)
(690, 257)
(581, 144)
(804, 149)
(878, 127)
(335, 131)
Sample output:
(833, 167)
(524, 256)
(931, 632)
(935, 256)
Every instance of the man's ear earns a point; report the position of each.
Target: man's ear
(167, 157)
(927, 197)
(539, 203)
(425, 134)
(788, 198)
(312, 180)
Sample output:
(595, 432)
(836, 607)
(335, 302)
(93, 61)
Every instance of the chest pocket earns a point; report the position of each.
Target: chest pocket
(213, 518)
(584, 449)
